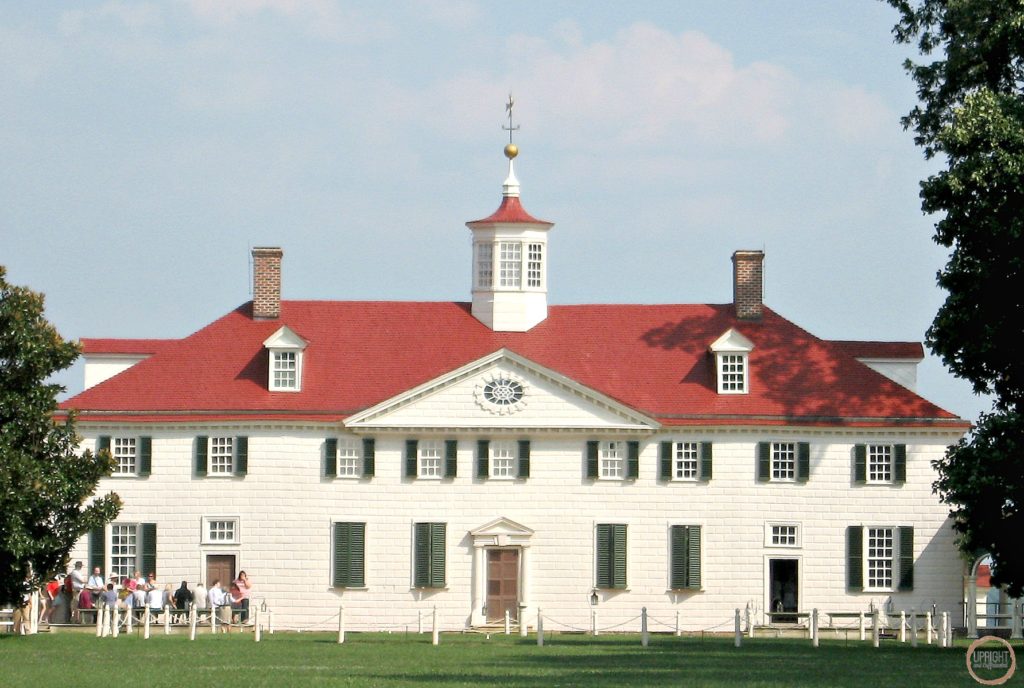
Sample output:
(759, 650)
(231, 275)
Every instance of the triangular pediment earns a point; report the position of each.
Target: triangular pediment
(501, 526)
(285, 338)
(731, 341)
(502, 390)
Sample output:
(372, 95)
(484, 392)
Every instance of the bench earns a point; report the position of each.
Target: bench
(7, 618)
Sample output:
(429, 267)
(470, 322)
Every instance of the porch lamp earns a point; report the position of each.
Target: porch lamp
(593, 597)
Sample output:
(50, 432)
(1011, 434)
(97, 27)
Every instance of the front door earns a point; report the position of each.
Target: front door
(784, 588)
(502, 584)
(220, 567)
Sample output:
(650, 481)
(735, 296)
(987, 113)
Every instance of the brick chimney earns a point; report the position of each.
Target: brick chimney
(266, 282)
(748, 284)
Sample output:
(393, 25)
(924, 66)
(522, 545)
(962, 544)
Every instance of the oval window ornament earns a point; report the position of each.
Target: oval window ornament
(501, 393)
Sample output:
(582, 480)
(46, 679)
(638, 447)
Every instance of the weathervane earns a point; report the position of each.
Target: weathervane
(511, 150)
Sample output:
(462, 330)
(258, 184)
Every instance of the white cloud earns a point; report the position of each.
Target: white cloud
(323, 18)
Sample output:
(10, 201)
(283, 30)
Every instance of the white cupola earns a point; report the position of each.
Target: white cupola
(510, 258)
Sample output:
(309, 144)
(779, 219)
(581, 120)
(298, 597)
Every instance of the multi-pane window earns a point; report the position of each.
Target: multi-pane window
(123, 449)
(732, 373)
(880, 549)
(879, 463)
(503, 459)
(510, 264)
(222, 456)
(484, 265)
(285, 369)
(429, 555)
(534, 265)
(610, 550)
(431, 459)
(123, 550)
(348, 458)
(783, 461)
(349, 554)
(784, 535)
(221, 530)
(613, 459)
(685, 457)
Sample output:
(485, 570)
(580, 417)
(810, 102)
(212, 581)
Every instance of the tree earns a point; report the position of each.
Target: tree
(43, 482)
(972, 114)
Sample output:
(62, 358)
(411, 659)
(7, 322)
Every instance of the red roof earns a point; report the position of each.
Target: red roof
(124, 346)
(652, 358)
(511, 210)
(909, 350)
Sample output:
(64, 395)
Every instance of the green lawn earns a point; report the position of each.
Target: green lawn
(308, 659)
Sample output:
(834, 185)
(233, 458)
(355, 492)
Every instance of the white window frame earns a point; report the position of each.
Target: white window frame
(276, 358)
(534, 265)
(732, 360)
(131, 530)
(792, 449)
(484, 265)
(215, 465)
(207, 538)
(887, 563)
(430, 459)
(503, 460)
(611, 458)
(773, 535)
(120, 451)
(879, 458)
(510, 264)
(349, 462)
(686, 459)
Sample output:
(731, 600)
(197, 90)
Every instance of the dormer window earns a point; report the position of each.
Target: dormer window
(732, 362)
(286, 352)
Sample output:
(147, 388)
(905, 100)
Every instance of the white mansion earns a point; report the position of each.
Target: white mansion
(504, 454)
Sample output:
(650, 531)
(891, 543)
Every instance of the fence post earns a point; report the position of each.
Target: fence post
(146, 622)
(435, 636)
(944, 629)
(508, 622)
(593, 623)
(419, 621)
(341, 624)
(193, 618)
(99, 619)
(522, 621)
(903, 626)
(928, 628)
(739, 636)
(33, 625)
(213, 618)
(749, 621)
(115, 623)
(257, 628)
(540, 629)
(913, 628)
(678, 631)
(875, 631)
(863, 630)
(129, 618)
(645, 637)
(1015, 618)
(814, 627)
(167, 619)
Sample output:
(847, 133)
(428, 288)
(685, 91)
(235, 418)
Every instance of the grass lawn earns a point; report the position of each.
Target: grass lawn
(315, 659)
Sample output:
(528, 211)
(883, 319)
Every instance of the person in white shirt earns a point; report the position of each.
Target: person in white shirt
(78, 580)
(96, 585)
(221, 605)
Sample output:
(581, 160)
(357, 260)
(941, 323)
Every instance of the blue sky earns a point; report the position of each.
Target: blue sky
(148, 145)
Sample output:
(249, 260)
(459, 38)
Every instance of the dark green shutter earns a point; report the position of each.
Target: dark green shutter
(330, 458)
(633, 459)
(451, 458)
(764, 461)
(803, 462)
(592, 470)
(349, 555)
(429, 555)
(102, 443)
(145, 456)
(693, 558)
(678, 544)
(241, 455)
(665, 460)
(200, 454)
(98, 548)
(524, 458)
(611, 555)
(906, 558)
(706, 461)
(369, 458)
(855, 558)
(411, 448)
(860, 464)
(148, 548)
(899, 464)
(483, 453)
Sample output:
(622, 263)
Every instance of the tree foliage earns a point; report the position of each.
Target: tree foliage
(44, 484)
(971, 113)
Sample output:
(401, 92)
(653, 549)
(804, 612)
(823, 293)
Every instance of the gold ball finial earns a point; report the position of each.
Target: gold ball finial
(511, 151)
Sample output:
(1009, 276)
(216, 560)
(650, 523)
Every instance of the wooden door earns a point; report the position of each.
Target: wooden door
(220, 567)
(502, 584)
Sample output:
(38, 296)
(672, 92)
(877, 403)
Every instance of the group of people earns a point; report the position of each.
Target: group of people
(75, 591)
